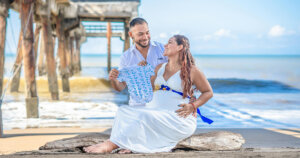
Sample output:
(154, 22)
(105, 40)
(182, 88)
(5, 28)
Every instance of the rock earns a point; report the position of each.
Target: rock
(76, 142)
(219, 140)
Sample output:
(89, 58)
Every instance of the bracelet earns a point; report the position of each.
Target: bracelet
(194, 106)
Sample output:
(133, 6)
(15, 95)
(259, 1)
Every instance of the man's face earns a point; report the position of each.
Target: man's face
(140, 35)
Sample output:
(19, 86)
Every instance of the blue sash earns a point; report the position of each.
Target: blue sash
(204, 119)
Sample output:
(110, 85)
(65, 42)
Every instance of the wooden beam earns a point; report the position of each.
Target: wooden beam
(127, 39)
(3, 15)
(72, 55)
(77, 61)
(83, 18)
(68, 51)
(15, 83)
(108, 35)
(103, 34)
(29, 59)
(36, 39)
(49, 52)
(41, 58)
(4, 5)
(64, 72)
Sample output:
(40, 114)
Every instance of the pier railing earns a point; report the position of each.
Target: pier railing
(101, 30)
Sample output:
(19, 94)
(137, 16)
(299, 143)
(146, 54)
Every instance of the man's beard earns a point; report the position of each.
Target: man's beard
(143, 46)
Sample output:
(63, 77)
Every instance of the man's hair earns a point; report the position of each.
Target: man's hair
(136, 21)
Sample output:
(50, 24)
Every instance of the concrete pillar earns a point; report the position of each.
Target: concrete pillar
(29, 58)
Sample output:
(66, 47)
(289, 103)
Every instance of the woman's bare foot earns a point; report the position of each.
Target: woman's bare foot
(124, 151)
(105, 147)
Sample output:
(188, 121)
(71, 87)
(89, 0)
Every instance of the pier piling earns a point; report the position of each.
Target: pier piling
(29, 58)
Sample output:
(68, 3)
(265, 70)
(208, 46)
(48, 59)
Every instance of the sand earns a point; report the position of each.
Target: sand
(17, 140)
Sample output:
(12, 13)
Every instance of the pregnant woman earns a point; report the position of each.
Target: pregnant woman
(169, 117)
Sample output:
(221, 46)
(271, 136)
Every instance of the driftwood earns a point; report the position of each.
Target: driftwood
(213, 141)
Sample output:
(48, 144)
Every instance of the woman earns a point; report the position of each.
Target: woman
(169, 117)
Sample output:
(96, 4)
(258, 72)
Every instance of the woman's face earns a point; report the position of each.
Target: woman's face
(172, 48)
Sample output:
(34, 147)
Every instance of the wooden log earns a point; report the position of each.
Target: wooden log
(4, 5)
(36, 39)
(108, 36)
(64, 72)
(127, 38)
(3, 16)
(1, 123)
(29, 59)
(68, 51)
(15, 83)
(41, 58)
(71, 55)
(49, 52)
(77, 62)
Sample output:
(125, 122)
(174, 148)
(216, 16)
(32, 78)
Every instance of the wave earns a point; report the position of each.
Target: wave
(235, 85)
(225, 85)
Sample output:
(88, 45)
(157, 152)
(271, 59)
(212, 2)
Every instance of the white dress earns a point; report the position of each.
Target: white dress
(155, 127)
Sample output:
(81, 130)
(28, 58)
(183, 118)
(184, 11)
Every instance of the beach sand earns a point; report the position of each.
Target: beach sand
(17, 140)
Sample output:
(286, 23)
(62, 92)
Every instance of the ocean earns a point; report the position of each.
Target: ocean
(250, 91)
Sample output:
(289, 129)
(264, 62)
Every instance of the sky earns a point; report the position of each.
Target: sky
(268, 27)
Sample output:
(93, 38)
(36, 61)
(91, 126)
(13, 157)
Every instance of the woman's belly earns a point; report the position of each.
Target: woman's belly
(166, 100)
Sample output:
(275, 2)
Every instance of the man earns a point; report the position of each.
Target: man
(143, 51)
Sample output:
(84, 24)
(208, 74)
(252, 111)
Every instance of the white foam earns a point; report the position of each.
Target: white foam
(59, 114)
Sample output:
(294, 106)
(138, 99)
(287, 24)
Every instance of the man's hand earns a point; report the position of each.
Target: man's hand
(142, 63)
(113, 74)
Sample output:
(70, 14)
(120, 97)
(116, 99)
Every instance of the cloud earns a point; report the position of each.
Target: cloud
(163, 35)
(221, 33)
(277, 31)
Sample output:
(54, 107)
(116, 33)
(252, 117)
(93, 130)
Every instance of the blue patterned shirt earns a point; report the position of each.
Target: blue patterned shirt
(138, 81)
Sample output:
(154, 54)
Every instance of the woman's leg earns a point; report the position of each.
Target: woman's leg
(125, 151)
(105, 147)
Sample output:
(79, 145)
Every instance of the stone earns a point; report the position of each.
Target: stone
(213, 141)
(76, 142)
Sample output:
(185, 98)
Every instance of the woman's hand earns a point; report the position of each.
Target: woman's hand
(186, 110)
(142, 63)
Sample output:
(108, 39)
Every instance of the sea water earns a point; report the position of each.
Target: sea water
(250, 91)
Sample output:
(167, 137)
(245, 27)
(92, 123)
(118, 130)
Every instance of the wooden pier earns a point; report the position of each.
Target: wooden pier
(61, 19)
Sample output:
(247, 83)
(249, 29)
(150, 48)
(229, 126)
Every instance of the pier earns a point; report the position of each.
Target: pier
(45, 21)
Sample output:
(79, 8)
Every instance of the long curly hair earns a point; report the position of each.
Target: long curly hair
(186, 61)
